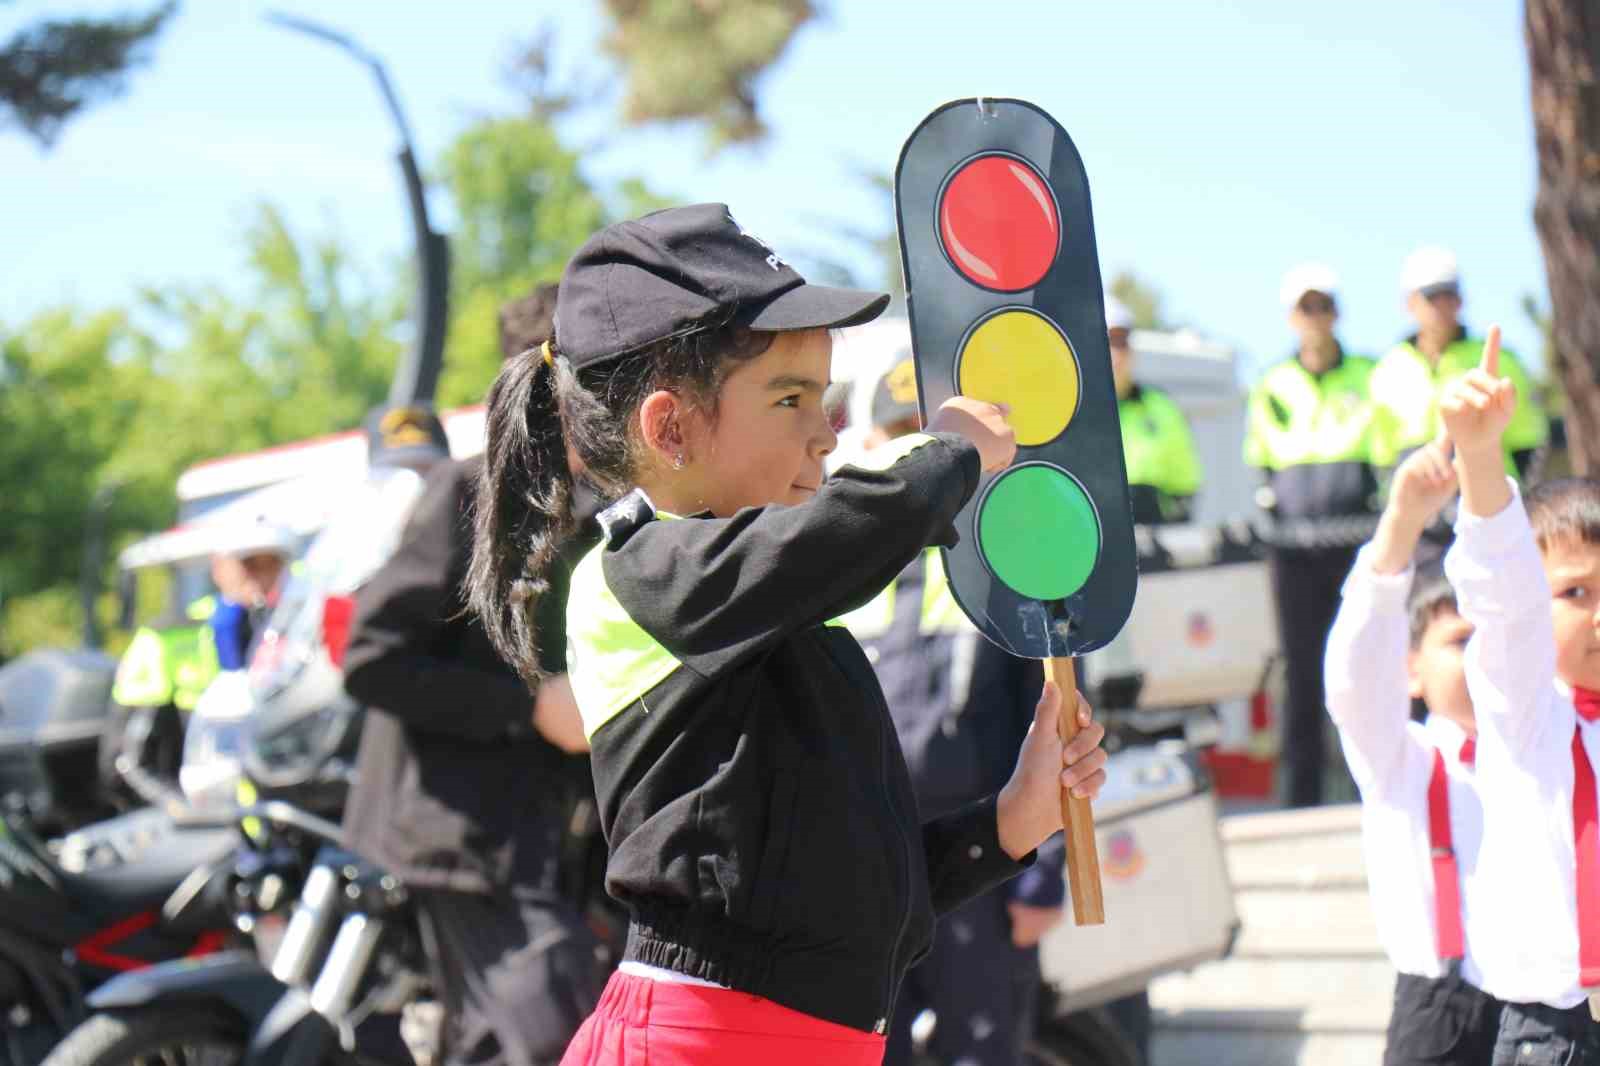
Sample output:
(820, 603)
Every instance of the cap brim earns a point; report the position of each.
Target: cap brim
(818, 307)
(1439, 287)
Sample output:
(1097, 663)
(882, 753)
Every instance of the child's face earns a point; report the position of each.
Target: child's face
(770, 434)
(1436, 669)
(1573, 570)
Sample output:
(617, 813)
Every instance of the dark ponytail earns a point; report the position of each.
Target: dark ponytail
(537, 409)
(523, 508)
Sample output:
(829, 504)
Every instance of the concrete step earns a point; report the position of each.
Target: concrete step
(1269, 1048)
(1306, 863)
(1334, 993)
(1336, 923)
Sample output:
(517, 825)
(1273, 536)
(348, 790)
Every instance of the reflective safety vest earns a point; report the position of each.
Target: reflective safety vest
(1406, 388)
(939, 612)
(1159, 451)
(170, 664)
(1317, 437)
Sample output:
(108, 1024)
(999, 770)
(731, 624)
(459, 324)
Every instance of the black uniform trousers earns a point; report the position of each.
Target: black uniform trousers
(1532, 1034)
(1443, 1021)
(1306, 583)
(982, 988)
(517, 976)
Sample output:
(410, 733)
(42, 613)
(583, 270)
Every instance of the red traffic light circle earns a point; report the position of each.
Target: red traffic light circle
(998, 222)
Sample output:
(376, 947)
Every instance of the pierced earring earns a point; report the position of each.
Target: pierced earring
(677, 461)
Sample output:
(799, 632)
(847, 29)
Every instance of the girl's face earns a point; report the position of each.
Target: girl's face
(767, 439)
(1573, 570)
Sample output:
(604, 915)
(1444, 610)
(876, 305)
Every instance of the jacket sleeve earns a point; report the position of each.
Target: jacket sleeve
(399, 659)
(1495, 568)
(715, 591)
(1365, 677)
(965, 858)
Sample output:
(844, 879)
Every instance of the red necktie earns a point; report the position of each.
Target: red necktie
(1469, 751)
(1446, 873)
(1586, 843)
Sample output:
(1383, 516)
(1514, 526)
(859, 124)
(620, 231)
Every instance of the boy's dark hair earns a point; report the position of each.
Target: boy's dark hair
(1565, 510)
(1431, 596)
(536, 410)
(527, 322)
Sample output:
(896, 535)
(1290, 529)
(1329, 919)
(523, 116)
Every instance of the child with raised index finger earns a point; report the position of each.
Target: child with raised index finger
(1527, 573)
(1400, 638)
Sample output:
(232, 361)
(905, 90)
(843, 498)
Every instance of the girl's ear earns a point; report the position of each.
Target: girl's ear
(659, 424)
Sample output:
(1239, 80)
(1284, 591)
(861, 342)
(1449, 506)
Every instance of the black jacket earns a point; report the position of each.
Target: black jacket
(455, 789)
(762, 827)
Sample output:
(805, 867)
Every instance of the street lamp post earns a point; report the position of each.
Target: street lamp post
(417, 376)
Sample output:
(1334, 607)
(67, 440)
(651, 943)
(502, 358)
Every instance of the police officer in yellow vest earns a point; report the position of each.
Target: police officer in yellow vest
(1409, 378)
(1312, 431)
(170, 663)
(1163, 467)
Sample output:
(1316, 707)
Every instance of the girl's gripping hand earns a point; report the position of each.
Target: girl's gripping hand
(984, 424)
(1029, 806)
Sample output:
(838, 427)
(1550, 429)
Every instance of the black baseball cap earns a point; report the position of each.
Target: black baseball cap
(676, 271)
(895, 399)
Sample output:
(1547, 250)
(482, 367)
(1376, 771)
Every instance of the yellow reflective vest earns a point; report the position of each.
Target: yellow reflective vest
(1317, 437)
(169, 664)
(1406, 388)
(1159, 452)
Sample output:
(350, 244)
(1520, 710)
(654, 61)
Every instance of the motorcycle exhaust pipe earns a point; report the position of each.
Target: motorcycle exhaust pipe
(347, 964)
(308, 927)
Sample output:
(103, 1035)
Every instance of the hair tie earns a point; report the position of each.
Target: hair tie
(544, 353)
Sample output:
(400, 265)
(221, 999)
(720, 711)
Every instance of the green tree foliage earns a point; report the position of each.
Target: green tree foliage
(699, 60)
(1142, 300)
(52, 69)
(131, 398)
(522, 207)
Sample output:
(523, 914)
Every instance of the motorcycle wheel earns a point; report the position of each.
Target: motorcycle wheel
(154, 1037)
(1082, 1038)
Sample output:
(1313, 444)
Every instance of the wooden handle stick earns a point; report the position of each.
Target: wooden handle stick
(1083, 861)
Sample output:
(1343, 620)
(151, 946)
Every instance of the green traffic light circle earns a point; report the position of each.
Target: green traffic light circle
(1038, 531)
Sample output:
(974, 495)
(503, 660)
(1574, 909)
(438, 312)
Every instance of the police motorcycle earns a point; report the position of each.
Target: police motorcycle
(342, 965)
(160, 882)
(104, 901)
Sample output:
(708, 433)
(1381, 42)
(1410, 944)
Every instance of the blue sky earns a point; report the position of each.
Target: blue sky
(1224, 141)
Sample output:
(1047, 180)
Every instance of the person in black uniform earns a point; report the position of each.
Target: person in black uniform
(467, 780)
(961, 707)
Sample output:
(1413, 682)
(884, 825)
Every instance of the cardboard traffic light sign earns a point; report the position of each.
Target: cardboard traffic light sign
(1004, 293)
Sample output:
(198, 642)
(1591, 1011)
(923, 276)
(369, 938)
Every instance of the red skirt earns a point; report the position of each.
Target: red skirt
(641, 1022)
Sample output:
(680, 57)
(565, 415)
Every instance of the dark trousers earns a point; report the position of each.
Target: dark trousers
(516, 976)
(1442, 1021)
(982, 987)
(1306, 584)
(1532, 1034)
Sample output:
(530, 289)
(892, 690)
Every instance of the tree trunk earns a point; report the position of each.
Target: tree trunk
(1563, 39)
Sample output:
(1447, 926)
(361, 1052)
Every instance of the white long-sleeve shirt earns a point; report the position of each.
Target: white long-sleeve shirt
(1391, 759)
(1528, 948)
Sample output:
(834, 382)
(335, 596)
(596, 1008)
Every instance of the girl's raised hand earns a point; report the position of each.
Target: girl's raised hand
(1030, 803)
(983, 423)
